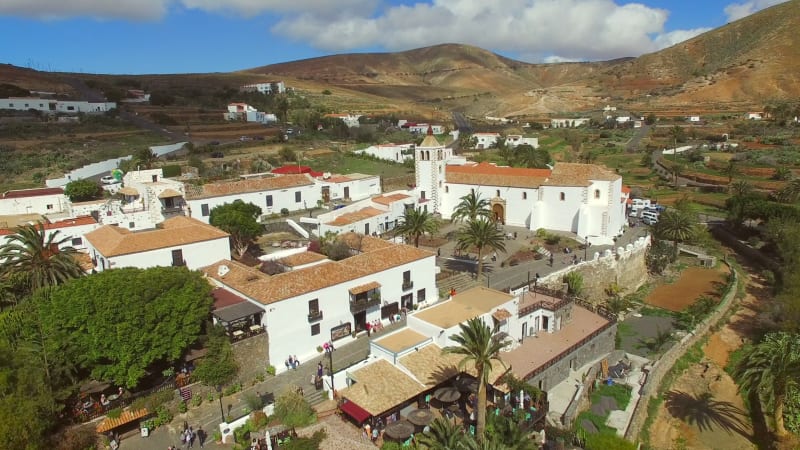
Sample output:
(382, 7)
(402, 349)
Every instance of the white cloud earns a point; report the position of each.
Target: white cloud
(101, 9)
(674, 37)
(252, 7)
(570, 29)
(736, 11)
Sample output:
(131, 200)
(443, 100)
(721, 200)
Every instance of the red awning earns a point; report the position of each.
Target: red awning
(356, 412)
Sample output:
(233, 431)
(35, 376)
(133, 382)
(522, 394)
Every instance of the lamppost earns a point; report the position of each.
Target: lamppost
(586, 248)
(330, 361)
(221, 410)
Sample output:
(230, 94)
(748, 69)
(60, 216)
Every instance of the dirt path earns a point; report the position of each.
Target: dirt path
(703, 409)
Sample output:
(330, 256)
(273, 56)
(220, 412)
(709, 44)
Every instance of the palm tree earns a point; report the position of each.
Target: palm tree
(35, 253)
(416, 222)
(528, 156)
(676, 226)
(770, 369)
(480, 233)
(790, 192)
(677, 170)
(444, 434)
(471, 207)
(731, 170)
(479, 346)
(146, 157)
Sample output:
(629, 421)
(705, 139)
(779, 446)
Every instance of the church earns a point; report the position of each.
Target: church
(586, 199)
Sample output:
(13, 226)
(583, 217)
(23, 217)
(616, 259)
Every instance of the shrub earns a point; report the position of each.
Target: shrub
(271, 369)
(182, 407)
(284, 211)
(114, 413)
(292, 409)
(259, 419)
(197, 400)
(253, 402)
(232, 389)
(574, 282)
(172, 170)
(306, 443)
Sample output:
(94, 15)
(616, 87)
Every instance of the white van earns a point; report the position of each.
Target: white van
(649, 217)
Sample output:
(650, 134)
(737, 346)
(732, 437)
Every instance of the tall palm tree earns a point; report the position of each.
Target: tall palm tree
(471, 207)
(416, 222)
(479, 346)
(38, 255)
(480, 233)
(770, 369)
(731, 170)
(444, 434)
(676, 226)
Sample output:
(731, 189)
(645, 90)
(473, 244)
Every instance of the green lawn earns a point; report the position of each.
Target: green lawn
(343, 163)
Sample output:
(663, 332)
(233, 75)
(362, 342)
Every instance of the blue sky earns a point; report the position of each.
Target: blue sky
(179, 36)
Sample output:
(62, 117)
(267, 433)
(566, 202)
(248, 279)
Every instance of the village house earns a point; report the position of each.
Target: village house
(569, 123)
(247, 113)
(71, 231)
(331, 301)
(351, 120)
(44, 201)
(179, 241)
(420, 127)
(348, 187)
(389, 152)
(585, 199)
(513, 140)
(376, 215)
(271, 194)
(269, 87)
(55, 106)
(485, 140)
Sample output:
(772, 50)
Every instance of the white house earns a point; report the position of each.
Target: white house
(271, 194)
(269, 87)
(569, 123)
(349, 187)
(351, 120)
(71, 231)
(180, 241)
(49, 105)
(420, 128)
(389, 152)
(327, 302)
(585, 199)
(754, 115)
(247, 113)
(375, 215)
(513, 140)
(34, 201)
(485, 140)
(694, 119)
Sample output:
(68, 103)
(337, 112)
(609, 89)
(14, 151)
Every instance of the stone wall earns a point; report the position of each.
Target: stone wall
(600, 345)
(627, 266)
(251, 355)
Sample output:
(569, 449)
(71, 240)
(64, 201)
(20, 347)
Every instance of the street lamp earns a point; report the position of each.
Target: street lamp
(586, 248)
(221, 410)
(330, 361)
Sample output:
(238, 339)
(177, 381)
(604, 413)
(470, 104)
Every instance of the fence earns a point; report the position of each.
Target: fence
(652, 385)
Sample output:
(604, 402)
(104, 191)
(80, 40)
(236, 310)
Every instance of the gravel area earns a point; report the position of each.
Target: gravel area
(340, 435)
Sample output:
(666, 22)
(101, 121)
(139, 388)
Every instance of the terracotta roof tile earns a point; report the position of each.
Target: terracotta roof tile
(431, 366)
(268, 289)
(501, 314)
(573, 174)
(386, 200)
(112, 240)
(23, 193)
(356, 216)
(486, 174)
(242, 186)
(300, 259)
(380, 386)
(365, 288)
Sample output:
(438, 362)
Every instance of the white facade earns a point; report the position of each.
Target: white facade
(62, 106)
(430, 159)
(389, 152)
(569, 123)
(323, 303)
(181, 242)
(350, 187)
(485, 140)
(422, 128)
(34, 201)
(271, 87)
(351, 120)
(69, 230)
(513, 140)
(376, 215)
(293, 192)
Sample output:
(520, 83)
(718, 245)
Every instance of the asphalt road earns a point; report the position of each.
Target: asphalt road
(462, 123)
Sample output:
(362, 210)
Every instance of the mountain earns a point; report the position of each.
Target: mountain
(739, 66)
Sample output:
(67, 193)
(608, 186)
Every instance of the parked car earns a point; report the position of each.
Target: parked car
(108, 179)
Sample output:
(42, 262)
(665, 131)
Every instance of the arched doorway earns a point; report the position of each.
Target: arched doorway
(499, 211)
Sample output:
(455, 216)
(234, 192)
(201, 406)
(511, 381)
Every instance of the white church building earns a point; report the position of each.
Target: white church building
(585, 199)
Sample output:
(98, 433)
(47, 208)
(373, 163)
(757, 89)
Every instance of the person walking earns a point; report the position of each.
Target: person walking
(190, 436)
(201, 436)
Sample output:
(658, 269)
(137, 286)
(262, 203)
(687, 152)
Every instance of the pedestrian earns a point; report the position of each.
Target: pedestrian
(185, 425)
(367, 430)
(287, 364)
(201, 436)
(374, 434)
(190, 437)
(551, 260)
(439, 251)
(296, 362)
(319, 369)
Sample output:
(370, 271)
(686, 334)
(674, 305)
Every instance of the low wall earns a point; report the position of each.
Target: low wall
(656, 375)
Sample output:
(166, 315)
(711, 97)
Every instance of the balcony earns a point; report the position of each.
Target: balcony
(315, 316)
(407, 285)
(361, 303)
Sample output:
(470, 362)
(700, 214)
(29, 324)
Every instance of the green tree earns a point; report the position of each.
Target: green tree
(82, 190)
(676, 226)
(218, 367)
(292, 409)
(116, 324)
(528, 156)
(677, 169)
(480, 234)
(741, 195)
(731, 170)
(282, 107)
(480, 347)
(444, 434)
(287, 154)
(471, 207)
(416, 222)
(769, 369)
(240, 219)
(145, 157)
(574, 281)
(39, 257)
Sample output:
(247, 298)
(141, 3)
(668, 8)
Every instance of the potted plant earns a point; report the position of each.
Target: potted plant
(217, 436)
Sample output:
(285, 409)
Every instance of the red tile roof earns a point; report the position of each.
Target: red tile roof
(23, 193)
(293, 170)
(224, 297)
(386, 200)
(626, 189)
(487, 174)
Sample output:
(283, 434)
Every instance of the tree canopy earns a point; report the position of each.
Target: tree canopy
(480, 234)
(240, 219)
(416, 222)
(117, 323)
(219, 366)
(471, 207)
(82, 190)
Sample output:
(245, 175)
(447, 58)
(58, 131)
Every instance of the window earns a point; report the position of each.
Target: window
(407, 284)
(298, 197)
(204, 209)
(524, 195)
(421, 295)
(472, 191)
(77, 241)
(70, 108)
(597, 193)
(269, 201)
(422, 195)
(177, 258)
(131, 225)
(315, 329)
(49, 207)
(313, 307)
(10, 105)
(446, 189)
(562, 196)
(497, 193)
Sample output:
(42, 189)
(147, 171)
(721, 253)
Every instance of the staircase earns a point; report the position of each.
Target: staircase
(460, 281)
(315, 397)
